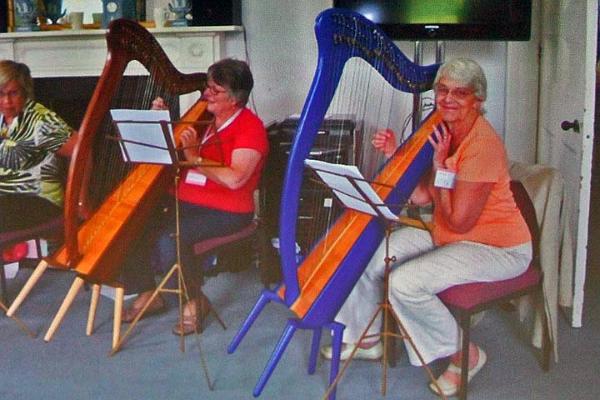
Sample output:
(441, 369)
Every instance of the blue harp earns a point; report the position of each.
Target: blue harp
(316, 287)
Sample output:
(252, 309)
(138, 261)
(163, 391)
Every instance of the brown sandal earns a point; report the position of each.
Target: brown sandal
(158, 306)
(191, 323)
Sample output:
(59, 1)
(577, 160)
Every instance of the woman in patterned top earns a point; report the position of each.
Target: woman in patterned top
(31, 137)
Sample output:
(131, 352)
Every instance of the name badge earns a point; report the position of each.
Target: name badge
(444, 178)
(195, 178)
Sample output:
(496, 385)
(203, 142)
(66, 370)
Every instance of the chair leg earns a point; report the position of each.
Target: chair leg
(546, 338)
(268, 261)
(266, 296)
(284, 340)
(465, 323)
(2, 284)
(314, 350)
(23, 327)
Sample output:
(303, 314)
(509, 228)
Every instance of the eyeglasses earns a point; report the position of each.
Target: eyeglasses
(11, 94)
(459, 93)
(213, 89)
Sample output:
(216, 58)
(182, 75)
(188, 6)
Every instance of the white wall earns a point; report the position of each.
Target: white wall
(282, 52)
(522, 88)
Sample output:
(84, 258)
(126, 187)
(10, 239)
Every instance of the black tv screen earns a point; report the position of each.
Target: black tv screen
(447, 19)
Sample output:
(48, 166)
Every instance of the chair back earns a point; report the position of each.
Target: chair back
(527, 209)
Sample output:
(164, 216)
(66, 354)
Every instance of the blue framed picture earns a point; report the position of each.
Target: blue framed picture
(25, 14)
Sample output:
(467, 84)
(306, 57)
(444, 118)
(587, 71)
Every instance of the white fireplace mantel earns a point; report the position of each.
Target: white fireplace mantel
(68, 53)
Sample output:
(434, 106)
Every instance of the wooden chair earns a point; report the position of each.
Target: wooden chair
(468, 299)
(201, 249)
(51, 228)
(224, 245)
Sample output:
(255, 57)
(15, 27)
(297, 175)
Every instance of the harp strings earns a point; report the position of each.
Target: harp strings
(109, 169)
(364, 102)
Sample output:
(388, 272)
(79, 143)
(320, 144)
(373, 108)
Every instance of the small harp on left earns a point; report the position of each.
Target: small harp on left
(116, 197)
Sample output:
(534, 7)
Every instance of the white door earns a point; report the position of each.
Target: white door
(568, 35)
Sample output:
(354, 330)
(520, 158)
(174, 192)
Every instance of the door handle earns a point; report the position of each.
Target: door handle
(566, 125)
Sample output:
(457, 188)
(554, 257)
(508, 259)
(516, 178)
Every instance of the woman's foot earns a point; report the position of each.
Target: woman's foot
(194, 313)
(449, 381)
(366, 351)
(157, 306)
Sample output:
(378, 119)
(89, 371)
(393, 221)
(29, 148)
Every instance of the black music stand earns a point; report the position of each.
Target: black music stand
(152, 142)
(357, 193)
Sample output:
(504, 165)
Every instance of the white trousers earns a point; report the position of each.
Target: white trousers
(420, 271)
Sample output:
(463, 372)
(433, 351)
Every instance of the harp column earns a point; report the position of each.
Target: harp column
(440, 55)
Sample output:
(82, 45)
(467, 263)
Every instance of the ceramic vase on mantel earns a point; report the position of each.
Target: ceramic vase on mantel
(115, 9)
(181, 9)
(54, 10)
(26, 13)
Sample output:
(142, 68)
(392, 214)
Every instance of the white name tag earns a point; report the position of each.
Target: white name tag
(444, 178)
(195, 178)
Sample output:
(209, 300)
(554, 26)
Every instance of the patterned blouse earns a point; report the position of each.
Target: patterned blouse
(28, 163)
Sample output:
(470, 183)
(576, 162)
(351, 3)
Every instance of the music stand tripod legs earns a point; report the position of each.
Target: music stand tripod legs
(385, 308)
(181, 292)
(359, 194)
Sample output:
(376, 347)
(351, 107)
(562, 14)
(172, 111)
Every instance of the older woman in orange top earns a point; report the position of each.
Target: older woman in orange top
(478, 232)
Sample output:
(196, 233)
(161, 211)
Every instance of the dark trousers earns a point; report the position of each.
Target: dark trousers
(19, 211)
(155, 251)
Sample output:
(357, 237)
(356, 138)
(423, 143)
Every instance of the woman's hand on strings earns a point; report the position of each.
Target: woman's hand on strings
(159, 104)
(384, 140)
(440, 140)
(189, 142)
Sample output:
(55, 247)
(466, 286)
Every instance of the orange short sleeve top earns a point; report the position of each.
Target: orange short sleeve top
(481, 157)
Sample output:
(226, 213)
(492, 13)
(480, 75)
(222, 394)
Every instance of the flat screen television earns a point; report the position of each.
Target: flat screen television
(447, 19)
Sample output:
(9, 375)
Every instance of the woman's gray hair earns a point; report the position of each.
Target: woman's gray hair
(234, 75)
(18, 72)
(467, 72)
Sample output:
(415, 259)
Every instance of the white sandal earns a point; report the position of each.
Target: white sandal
(449, 388)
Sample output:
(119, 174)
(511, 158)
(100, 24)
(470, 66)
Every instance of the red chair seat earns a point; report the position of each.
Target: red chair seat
(52, 225)
(213, 243)
(470, 295)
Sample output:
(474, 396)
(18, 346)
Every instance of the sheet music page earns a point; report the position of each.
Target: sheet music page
(339, 178)
(150, 134)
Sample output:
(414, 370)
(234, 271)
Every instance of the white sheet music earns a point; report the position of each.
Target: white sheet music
(340, 178)
(149, 134)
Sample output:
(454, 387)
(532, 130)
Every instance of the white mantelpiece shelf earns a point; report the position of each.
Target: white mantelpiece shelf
(83, 52)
